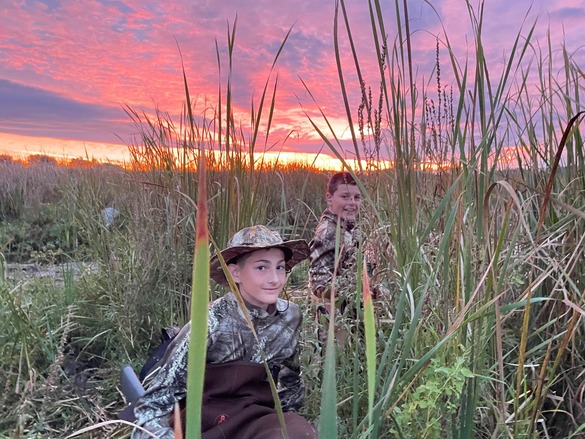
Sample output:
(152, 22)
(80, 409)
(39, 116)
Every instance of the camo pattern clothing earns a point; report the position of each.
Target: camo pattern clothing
(322, 255)
(229, 339)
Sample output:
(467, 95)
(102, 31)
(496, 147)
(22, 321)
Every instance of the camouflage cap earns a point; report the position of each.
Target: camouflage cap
(254, 238)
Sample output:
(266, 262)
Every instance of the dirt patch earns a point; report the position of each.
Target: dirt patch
(58, 273)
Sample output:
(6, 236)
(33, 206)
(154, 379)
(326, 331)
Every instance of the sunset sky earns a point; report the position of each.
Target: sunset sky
(68, 67)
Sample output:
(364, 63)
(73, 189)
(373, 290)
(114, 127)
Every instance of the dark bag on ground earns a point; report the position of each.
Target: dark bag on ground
(166, 337)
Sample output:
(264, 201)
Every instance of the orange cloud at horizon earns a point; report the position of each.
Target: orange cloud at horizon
(120, 154)
(21, 147)
(12, 145)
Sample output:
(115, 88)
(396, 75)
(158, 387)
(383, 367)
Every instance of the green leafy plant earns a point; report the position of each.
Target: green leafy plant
(428, 411)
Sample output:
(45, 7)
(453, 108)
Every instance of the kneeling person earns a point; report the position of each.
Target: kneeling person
(237, 400)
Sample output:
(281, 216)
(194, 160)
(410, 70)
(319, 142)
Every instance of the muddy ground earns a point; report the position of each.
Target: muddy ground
(56, 273)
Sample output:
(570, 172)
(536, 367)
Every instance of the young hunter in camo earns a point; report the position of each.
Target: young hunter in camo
(343, 205)
(323, 255)
(231, 343)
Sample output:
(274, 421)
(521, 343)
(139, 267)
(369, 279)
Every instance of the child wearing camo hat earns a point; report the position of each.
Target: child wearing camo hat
(237, 400)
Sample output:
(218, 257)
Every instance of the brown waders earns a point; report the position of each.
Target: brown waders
(238, 404)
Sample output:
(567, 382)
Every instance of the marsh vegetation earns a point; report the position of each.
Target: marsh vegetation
(481, 334)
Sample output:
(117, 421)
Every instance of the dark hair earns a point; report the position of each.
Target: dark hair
(338, 179)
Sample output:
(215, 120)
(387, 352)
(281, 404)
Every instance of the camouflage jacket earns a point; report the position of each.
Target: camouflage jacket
(229, 339)
(322, 255)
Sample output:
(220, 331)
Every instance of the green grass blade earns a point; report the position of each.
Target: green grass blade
(196, 359)
(344, 93)
(328, 418)
(370, 334)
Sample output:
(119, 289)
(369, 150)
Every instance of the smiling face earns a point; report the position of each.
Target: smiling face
(260, 276)
(345, 201)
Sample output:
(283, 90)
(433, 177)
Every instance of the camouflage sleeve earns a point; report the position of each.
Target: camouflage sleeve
(290, 384)
(167, 386)
(322, 258)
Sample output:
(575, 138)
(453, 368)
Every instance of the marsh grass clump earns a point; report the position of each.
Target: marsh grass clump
(53, 379)
(32, 226)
